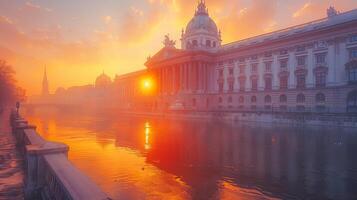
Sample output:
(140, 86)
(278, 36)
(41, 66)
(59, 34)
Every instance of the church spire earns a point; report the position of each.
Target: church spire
(45, 90)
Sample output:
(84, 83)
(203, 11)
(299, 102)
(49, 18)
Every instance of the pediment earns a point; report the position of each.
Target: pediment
(164, 54)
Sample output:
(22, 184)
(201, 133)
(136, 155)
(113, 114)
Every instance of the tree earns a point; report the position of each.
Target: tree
(9, 91)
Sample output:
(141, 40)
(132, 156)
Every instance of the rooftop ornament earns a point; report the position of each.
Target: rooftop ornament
(168, 42)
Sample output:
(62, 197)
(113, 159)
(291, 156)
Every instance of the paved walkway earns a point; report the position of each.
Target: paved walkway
(11, 170)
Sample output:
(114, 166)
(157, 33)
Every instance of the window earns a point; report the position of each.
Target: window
(254, 57)
(353, 53)
(253, 99)
(268, 66)
(221, 72)
(241, 99)
(194, 43)
(283, 82)
(193, 102)
(220, 86)
(320, 98)
(219, 99)
(230, 99)
(283, 98)
(283, 52)
(353, 38)
(284, 63)
(231, 71)
(268, 83)
(320, 79)
(214, 44)
(320, 58)
(300, 48)
(300, 98)
(267, 99)
(231, 86)
(241, 69)
(301, 60)
(352, 101)
(352, 75)
(300, 80)
(254, 84)
(300, 108)
(254, 67)
(208, 43)
(241, 85)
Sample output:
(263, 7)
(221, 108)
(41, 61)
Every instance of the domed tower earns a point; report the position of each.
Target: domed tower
(201, 32)
(102, 80)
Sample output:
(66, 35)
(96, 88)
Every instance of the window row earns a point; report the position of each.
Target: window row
(320, 81)
(300, 98)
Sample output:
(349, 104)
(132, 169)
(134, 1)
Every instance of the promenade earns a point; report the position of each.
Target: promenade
(11, 162)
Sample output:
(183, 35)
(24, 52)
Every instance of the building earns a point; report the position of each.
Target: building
(311, 67)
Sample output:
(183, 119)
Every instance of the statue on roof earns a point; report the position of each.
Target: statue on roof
(168, 42)
(331, 12)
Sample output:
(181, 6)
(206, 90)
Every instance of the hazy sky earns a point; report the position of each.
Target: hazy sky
(78, 39)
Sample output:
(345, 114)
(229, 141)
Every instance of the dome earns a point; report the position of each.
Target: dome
(201, 32)
(201, 21)
(103, 80)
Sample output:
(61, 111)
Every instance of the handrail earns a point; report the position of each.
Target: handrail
(49, 173)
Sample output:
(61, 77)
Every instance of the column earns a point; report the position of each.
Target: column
(331, 64)
(291, 67)
(310, 69)
(275, 70)
(261, 72)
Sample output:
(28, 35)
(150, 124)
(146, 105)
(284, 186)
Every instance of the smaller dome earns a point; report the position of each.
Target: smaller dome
(103, 80)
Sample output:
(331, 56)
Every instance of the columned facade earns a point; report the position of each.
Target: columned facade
(299, 69)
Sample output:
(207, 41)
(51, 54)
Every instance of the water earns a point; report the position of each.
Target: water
(147, 158)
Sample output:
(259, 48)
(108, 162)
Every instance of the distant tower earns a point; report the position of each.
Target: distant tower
(45, 91)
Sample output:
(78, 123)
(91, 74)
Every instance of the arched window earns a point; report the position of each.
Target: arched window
(267, 99)
(241, 99)
(253, 99)
(194, 43)
(214, 44)
(300, 98)
(283, 98)
(230, 99)
(219, 99)
(320, 98)
(208, 43)
(352, 101)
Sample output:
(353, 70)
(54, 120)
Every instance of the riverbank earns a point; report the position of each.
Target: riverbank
(286, 118)
(11, 162)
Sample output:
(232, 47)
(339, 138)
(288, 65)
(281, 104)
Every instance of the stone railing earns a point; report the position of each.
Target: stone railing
(49, 173)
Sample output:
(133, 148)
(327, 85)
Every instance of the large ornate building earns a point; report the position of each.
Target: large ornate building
(309, 67)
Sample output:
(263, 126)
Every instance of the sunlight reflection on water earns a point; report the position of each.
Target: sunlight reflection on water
(137, 158)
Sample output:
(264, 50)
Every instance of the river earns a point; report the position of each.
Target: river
(148, 158)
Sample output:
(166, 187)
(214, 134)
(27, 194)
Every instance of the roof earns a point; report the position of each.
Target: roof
(294, 30)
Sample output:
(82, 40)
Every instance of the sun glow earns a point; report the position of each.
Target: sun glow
(147, 85)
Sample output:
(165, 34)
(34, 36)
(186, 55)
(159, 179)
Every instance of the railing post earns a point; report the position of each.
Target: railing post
(35, 168)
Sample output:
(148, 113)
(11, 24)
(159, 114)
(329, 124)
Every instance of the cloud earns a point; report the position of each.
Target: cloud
(301, 10)
(107, 19)
(245, 22)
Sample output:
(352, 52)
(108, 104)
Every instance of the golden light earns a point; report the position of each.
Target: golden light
(147, 85)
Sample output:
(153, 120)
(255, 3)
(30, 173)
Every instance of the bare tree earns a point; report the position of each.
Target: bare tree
(9, 91)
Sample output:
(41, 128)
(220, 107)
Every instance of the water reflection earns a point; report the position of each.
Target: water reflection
(154, 159)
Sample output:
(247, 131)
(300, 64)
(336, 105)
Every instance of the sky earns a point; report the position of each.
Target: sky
(79, 39)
